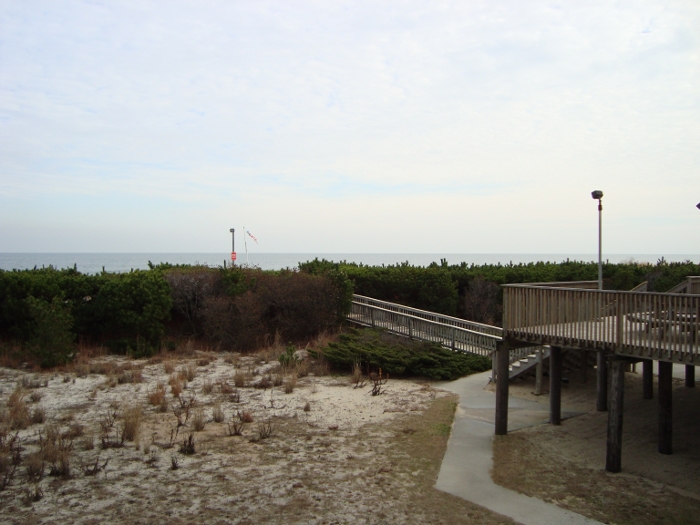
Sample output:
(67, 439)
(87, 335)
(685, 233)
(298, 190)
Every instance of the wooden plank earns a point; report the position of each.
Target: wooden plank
(665, 407)
(647, 379)
(613, 458)
(502, 389)
(602, 382)
(690, 376)
(538, 373)
(555, 372)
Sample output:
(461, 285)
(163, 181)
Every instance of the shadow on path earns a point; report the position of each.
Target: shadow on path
(466, 467)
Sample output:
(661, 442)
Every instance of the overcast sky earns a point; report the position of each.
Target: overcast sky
(365, 126)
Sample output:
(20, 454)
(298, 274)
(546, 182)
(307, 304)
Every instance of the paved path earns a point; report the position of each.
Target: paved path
(466, 467)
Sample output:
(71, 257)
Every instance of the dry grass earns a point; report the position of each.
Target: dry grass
(17, 410)
(207, 387)
(175, 385)
(218, 413)
(128, 374)
(38, 415)
(169, 367)
(187, 373)
(225, 388)
(156, 397)
(34, 467)
(356, 376)
(245, 416)
(35, 396)
(199, 420)
(291, 383)
(239, 379)
(131, 422)
(321, 476)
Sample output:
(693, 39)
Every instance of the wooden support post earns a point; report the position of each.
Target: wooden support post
(502, 352)
(690, 376)
(538, 372)
(584, 366)
(665, 407)
(410, 328)
(602, 383)
(371, 316)
(648, 379)
(555, 370)
(613, 458)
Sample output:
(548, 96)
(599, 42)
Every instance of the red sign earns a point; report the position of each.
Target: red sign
(233, 256)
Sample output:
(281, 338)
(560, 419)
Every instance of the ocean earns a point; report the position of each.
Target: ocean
(91, 263)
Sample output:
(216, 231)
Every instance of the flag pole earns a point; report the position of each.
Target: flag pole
(245, 241)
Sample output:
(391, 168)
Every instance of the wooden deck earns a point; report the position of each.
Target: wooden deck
(621, 327)
(644, 325)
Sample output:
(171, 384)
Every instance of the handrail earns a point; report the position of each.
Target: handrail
(453, 334)
(641, 287)
(441, 318)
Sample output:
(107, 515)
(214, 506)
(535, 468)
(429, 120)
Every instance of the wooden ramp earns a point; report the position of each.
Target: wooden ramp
(459, 335)
(456, 334)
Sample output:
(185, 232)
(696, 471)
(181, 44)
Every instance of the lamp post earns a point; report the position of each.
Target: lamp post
(601, 359)
(597, 194)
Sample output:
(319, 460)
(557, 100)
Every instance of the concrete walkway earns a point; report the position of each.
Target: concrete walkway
(466, 467)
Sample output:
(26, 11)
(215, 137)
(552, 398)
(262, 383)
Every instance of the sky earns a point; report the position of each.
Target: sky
(342, 127)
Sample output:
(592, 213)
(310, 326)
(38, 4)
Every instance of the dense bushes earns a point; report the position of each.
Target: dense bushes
(45, 310)
(473, 292)
(428, 288)
(123, 311)
(52, 340)
(253, 306)
(375, 349)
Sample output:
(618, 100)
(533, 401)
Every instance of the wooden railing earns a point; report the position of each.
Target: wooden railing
(451, 332)
(643, 324)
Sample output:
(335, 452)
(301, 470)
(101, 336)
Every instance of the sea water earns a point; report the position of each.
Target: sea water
(123, 262)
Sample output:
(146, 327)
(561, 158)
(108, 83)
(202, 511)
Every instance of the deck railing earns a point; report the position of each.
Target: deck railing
(451, 332)
(643, 324)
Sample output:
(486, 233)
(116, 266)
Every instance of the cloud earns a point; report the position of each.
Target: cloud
(263, 111)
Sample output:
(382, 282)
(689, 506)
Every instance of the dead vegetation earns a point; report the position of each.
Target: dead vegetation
(102, 436)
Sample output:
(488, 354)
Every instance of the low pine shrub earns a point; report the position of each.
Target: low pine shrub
(376, 349)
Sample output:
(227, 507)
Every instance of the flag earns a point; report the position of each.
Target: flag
(251, 236)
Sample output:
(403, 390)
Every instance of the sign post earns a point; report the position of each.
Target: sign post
(233, 245)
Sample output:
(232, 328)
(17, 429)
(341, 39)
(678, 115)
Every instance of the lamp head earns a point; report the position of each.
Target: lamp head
(232, 230)
(698, 206)
(597, 194)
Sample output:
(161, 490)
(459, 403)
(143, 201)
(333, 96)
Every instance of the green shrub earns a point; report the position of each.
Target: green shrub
(377, 349)
(52, 341)
(131, 309)
(289, 357)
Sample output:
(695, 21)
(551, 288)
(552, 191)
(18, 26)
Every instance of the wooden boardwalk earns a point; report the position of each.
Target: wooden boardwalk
(620, 327)
(456, 334)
